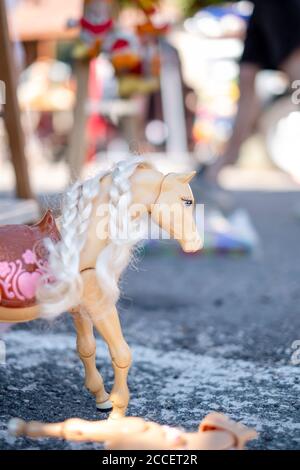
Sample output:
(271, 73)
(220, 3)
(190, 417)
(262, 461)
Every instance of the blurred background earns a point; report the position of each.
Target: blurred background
(157, 78)
(88, 83)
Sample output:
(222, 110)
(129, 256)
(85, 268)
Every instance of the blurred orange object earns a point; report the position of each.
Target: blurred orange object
(203, 131)
(124, 56)
(155, 65)
(149, 28)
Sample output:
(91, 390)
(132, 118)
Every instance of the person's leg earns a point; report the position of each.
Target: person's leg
(248, 111)
(291, 65)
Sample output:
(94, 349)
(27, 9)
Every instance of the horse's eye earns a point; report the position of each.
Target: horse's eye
(187, 202)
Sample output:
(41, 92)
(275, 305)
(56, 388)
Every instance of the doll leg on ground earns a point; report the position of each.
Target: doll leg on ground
(86, 348)
(76, 429)
(73, 429)
(105, 318)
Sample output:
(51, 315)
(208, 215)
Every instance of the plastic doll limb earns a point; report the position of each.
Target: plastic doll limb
(154, 437)
(106, 320)
(79, 430)
(86, 348)
(216, 432)
(221, 423)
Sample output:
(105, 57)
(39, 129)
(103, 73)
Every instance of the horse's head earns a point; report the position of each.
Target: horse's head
(173, 210)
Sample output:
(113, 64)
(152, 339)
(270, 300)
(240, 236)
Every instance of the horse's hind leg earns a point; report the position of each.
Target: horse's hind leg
(86, 347)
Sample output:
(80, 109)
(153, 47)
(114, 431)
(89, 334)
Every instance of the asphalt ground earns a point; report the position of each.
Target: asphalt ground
(207, 333)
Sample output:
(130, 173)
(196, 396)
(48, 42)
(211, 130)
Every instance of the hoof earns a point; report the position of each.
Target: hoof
(105, 406)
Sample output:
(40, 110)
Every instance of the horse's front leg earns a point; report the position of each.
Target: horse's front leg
(86, 348)
(106, 320)
(110, 329)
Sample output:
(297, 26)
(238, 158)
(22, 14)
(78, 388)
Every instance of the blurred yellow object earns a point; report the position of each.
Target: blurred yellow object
(148, 6)
(46, 86)
(59, 99)
(234, 92)
(134, 84)
(83, 50)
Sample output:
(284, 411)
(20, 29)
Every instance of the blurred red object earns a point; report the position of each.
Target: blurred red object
(96, 125)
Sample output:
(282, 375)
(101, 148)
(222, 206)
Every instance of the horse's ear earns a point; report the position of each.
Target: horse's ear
(185, 177)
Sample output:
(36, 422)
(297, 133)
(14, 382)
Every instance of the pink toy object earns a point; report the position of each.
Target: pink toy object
(23, 260)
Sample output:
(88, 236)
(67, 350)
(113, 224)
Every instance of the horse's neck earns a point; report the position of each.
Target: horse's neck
(145, 185)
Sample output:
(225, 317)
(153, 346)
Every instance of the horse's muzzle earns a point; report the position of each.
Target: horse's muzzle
(191, 246)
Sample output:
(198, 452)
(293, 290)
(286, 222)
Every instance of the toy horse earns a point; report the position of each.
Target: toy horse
(75, 264)
(216, 432)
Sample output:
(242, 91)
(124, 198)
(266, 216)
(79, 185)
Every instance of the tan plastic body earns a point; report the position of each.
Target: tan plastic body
(155, 194)
(216, 432)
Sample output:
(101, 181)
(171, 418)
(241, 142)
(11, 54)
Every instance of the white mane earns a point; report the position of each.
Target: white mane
(61, 286)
